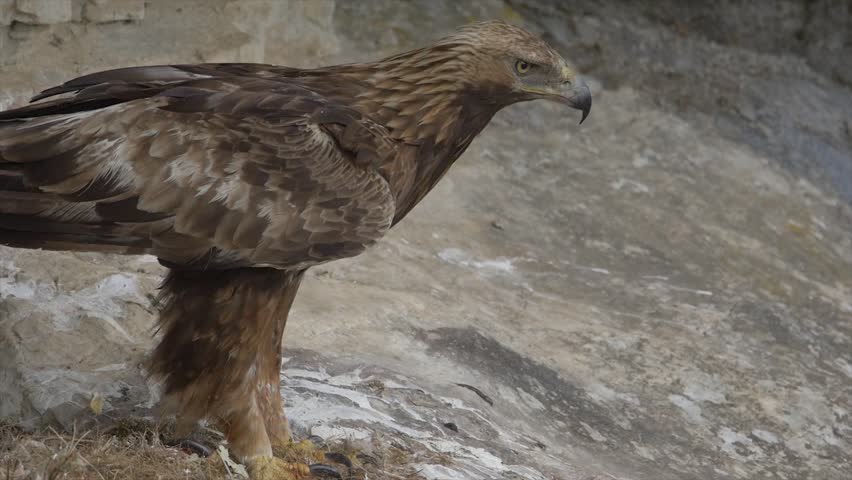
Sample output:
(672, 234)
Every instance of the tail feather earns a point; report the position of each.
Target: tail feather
(57, 191)
(70, 242)
(33, 219)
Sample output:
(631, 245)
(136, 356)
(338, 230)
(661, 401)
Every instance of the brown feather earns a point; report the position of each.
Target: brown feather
(304, 155)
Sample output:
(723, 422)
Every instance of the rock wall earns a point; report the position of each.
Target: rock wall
(662, 293)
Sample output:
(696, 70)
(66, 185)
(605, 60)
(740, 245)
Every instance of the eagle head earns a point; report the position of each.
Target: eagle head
(509, 64)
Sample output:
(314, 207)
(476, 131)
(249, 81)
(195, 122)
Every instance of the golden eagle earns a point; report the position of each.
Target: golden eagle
(239, 177)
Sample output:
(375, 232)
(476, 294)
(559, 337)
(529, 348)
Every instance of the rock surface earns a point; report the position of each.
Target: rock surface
(662, 293)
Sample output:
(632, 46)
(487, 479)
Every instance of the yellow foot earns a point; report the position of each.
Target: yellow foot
(271, 468)
(304, 451)
(309, 453)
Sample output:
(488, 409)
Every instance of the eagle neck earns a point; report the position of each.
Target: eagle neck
(427, 101)
(438, 120)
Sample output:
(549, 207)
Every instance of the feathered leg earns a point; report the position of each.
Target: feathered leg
(220, 356)
(269, 391)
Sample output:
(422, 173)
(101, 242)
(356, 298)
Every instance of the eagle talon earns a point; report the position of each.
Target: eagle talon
(367, 459)
(321, 470)
(317, 441)
(338, 457)
(191, 446)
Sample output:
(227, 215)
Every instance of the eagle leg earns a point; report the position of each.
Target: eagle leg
(220, 356)
(272, 408)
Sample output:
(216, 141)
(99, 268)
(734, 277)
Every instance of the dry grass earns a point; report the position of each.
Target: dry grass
(126, 452)
(135, 449)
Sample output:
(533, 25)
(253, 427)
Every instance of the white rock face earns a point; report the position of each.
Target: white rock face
(7, 11)
(661, 293)
(42, 12)
(72, 327)
(102, 11)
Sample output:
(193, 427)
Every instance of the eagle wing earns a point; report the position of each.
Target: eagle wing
(201, 172)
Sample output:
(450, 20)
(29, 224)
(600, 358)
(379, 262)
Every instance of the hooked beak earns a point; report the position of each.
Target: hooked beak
(574, 93)
(578, 95)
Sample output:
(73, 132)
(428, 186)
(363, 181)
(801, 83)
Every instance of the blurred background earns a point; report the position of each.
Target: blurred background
(662, 293)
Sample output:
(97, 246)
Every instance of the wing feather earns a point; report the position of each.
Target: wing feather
(213, 173)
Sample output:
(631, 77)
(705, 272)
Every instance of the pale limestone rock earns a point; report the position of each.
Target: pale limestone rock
(71, 328)
(590, 318)
(277, 38)
(102, 11)
(43, 12)
(7, 12)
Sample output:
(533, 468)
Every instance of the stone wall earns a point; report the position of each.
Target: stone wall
(49, 12)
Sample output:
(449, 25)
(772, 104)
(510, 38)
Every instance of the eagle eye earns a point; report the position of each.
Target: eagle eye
(522, 66)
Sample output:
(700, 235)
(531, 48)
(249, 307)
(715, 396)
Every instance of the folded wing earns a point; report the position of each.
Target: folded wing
(202, 172)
